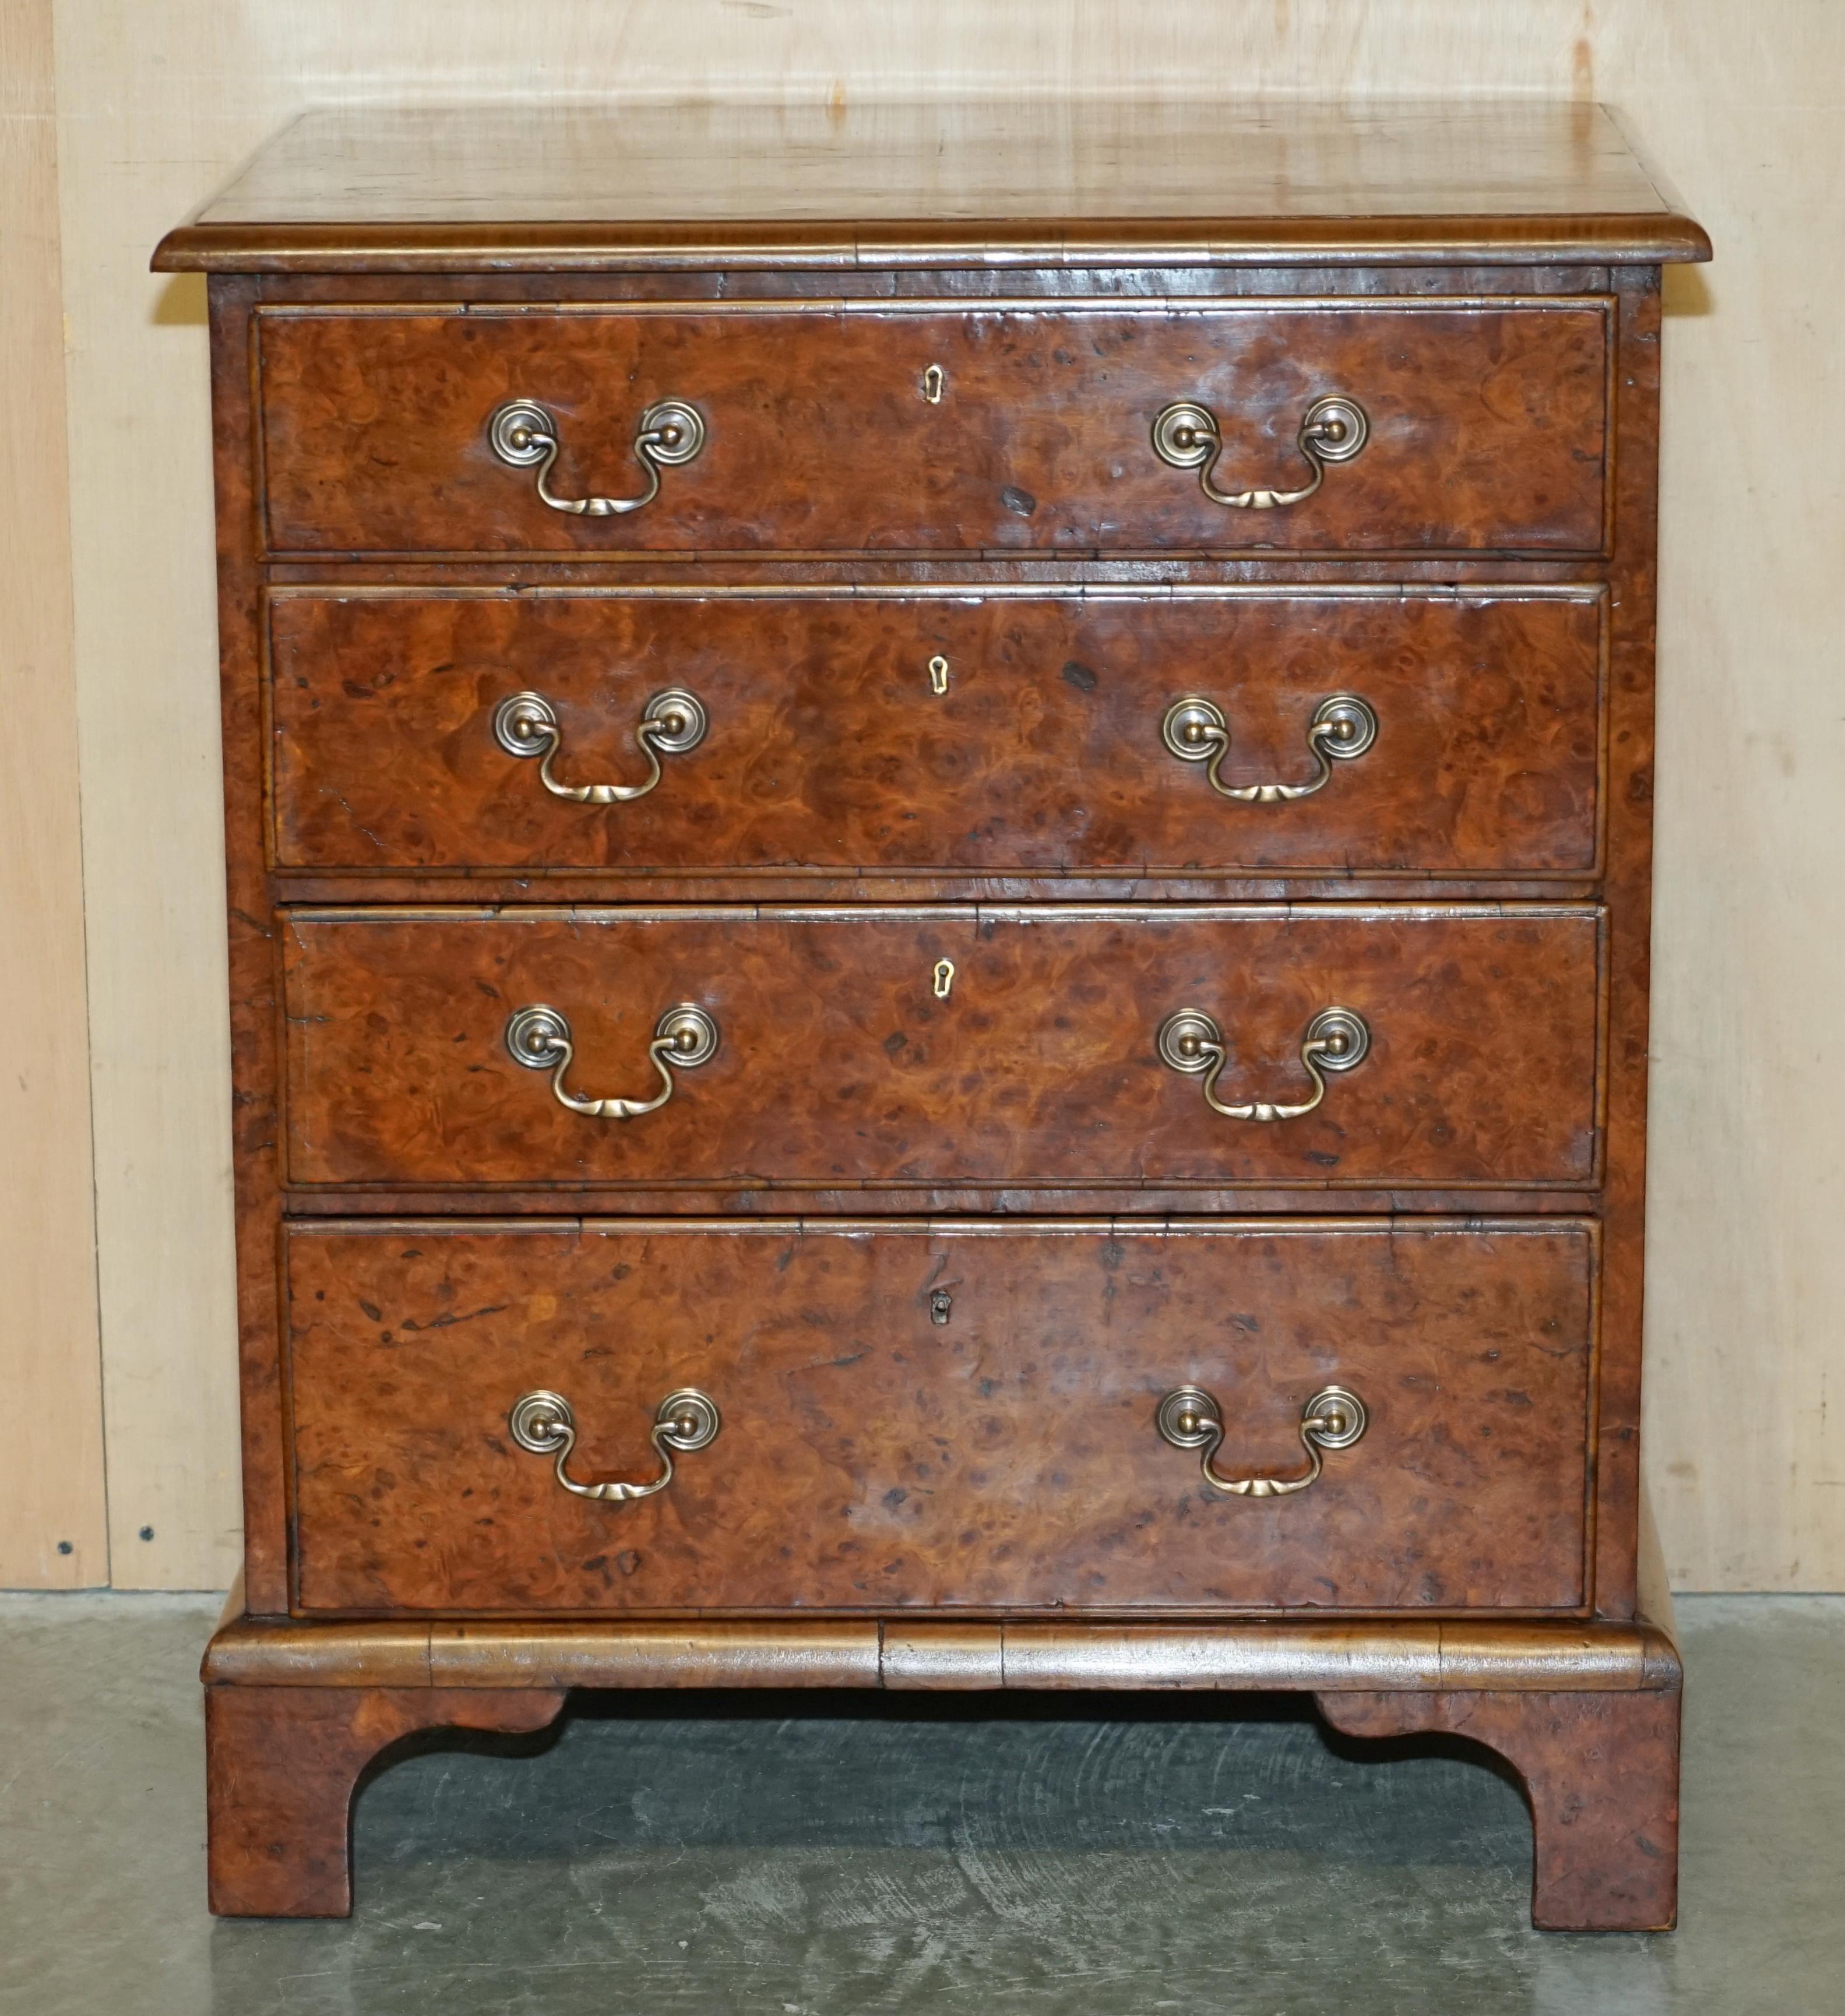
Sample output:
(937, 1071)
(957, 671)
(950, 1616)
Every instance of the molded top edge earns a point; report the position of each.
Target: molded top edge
(1039, 183)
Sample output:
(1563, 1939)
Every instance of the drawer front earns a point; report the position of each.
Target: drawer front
(955, 1415)
(943, 1044)
(1486, 426)
(939, 731)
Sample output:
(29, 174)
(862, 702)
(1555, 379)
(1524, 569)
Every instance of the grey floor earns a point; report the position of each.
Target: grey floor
(858, 1857)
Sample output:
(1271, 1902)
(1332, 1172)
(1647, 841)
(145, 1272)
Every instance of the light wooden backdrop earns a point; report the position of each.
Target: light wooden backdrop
(1743, 107)
(52, 1525)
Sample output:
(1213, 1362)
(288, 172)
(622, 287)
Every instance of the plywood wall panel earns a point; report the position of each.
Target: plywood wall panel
(53, 1529)
(153, 848)
(1743, 111)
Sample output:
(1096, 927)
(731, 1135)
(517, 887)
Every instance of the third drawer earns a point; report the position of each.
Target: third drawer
(945, 1045)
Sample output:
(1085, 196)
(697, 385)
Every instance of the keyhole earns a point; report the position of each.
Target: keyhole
(944, 977)
(941, 1303)
(938, 674)
(932, 383)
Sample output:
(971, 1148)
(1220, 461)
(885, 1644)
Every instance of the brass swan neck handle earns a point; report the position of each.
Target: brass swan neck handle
(524, 435)
(1337, 1039)
(1333, 429)
(673, 721)
(1190, 1418)
(1342, 728)
(687, 1420)
(538, 1037)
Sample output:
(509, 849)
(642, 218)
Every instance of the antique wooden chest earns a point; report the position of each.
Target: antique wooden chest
(939, 843)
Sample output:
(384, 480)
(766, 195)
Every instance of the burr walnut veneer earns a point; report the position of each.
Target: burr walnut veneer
(938, 921)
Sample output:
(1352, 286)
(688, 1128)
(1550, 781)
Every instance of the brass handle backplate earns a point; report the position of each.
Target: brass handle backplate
(1342, 728)
(1336, 1040)
(1186, 436)
(1190, 1418)
(539, 1038)
(686, 1420)
(524, 436)
(525, 724)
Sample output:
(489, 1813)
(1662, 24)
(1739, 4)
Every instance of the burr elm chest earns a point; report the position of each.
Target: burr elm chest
(938, 832)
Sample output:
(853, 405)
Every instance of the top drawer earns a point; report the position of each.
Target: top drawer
(820, 427)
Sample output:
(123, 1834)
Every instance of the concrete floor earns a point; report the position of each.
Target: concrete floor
(864, 1856)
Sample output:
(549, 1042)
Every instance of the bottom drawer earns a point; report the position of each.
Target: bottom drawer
(961, 1415)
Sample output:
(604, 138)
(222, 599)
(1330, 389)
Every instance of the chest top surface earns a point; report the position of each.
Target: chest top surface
(1086, 182)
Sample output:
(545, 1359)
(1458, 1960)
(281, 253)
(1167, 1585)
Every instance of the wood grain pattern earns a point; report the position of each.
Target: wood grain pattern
(872, 1458)
(1601, 1771)
(838, 1065)
(53, 1511)
(1487, 427)
(935, 182)
(281, 1766)
(829, 750)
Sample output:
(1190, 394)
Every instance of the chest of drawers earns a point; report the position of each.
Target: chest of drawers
(938, 921)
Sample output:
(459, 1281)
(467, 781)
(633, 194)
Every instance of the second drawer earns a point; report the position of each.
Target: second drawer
(944, 1045)
(1420, 732)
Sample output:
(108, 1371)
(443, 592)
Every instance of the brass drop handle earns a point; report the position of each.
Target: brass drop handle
(525, 724)
(1333, 429)
(539, 1038)
(1336, 1040)
(1342, 728)
(522, 435)
(1189, 1418)
(686, 1420)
